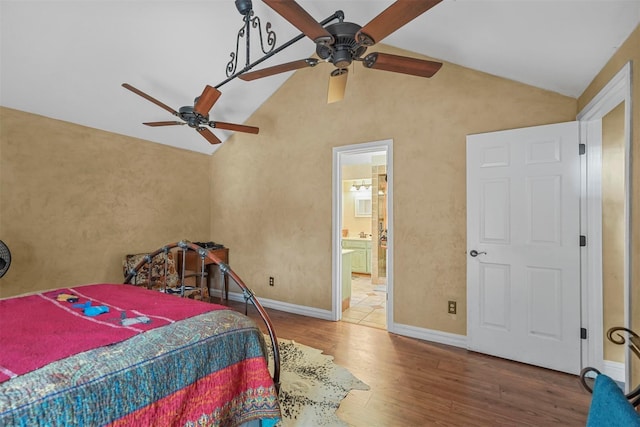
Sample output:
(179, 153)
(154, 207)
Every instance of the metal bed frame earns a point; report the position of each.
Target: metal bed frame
(633, 340)
(225, 270)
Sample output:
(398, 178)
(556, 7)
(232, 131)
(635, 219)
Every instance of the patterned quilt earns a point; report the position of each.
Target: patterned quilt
(207, 370)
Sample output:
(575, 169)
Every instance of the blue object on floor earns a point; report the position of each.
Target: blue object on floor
(609, 407)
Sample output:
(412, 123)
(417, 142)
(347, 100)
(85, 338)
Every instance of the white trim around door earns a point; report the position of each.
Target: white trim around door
(616, 91)
(336, 257)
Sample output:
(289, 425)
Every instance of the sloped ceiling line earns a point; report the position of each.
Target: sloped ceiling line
(67, 59)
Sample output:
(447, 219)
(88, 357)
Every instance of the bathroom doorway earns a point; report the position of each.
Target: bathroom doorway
(362, 229)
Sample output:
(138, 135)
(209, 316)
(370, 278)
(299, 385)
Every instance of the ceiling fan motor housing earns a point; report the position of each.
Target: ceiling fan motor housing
(193, 119)
(344, 48)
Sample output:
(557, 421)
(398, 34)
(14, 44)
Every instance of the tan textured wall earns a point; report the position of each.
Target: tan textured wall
(75, 200)
(629, 51)
(613, 226)
(272, 202)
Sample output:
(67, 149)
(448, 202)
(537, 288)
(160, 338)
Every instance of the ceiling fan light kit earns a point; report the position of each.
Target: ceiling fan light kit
(339, 43)
(337, 85)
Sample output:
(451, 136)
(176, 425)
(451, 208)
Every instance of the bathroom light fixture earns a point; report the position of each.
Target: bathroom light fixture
(363, 186)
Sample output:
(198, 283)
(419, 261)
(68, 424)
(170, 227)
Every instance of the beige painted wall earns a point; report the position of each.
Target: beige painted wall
(272, 202)
(75, 200)
(613, 226)
(629, 51)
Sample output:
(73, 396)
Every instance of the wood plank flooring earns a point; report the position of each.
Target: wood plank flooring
(417, 383)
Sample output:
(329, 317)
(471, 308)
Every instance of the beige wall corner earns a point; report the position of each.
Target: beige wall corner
(75, 200)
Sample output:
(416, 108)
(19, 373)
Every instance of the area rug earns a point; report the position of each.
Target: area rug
(311, 385)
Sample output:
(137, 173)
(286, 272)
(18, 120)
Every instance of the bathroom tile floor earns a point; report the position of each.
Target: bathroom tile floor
(368, 304)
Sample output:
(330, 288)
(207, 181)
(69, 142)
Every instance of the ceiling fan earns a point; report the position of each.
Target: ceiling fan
(341, 43)
(196, 117)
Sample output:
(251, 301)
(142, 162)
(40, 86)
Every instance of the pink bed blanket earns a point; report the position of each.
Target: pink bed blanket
(64, 330)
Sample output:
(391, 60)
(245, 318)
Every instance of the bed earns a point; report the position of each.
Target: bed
(114, 354)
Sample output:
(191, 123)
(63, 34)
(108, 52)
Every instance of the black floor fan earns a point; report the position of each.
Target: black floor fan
(5, 258)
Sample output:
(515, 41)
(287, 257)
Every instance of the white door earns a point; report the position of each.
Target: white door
(523, 285)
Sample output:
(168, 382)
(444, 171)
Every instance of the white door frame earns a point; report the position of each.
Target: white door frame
(336, 228)
(616, 91)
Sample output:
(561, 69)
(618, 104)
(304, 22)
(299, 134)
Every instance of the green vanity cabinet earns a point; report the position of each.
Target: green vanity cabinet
(361, 255)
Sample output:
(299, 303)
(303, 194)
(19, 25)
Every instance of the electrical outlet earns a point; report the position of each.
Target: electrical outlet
(271, 281)
(453, 307)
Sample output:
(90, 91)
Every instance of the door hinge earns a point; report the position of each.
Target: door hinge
(583, 333)
(583, 240)
(582, 149)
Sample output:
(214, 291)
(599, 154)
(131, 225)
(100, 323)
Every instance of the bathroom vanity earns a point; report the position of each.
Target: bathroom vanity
(361, 256)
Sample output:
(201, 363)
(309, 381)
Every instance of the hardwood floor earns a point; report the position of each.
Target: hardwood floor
(416, 383)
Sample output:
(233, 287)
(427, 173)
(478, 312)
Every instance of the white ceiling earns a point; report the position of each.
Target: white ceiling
(67, 59)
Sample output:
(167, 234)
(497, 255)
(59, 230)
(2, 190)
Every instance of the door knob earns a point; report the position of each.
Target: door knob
(475, 253)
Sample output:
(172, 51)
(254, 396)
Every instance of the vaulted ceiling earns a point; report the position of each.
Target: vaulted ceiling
(68, 59)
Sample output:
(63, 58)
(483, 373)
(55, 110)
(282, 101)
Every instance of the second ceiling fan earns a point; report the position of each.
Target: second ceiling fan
(341, 43)
(196, 116)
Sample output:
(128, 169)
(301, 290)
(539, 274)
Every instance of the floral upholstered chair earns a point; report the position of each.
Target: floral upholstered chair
(152, 275)
(161, 274)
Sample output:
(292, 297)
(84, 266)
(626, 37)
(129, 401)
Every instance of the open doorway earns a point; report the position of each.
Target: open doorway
(362, 229)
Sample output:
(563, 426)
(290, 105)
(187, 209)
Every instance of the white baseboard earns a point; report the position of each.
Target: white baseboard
(614, 370)
(405, 330)
(430, 335)
(284, 306)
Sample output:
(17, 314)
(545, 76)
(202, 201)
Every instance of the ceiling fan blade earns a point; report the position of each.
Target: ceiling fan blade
(277, 69)
(401, 64)
(154, 124)
(299, 18)
(395, 16)
(205, 101)
(234, 127)
(337, 85)
(149, 98)
(208, 135)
